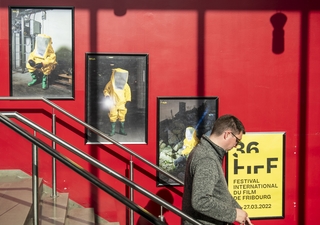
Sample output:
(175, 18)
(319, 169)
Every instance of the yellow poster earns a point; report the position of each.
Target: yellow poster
(255, 174)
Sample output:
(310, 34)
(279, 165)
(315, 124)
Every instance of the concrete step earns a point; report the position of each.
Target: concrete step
(16, 204)
(53, 210)
(80, 216)
(15, 200)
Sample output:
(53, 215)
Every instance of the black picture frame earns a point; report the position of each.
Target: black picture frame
(99, 67)
(26, 25)
(176, 115)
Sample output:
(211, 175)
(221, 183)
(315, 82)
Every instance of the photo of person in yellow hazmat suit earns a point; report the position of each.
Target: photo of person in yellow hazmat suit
(41, 52)
(117, 97)
(182, 122)
(190, 141)
(41, 61)
(117, 92)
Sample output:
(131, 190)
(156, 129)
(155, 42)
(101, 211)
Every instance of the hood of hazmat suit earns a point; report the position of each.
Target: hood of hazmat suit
(119, 78)
(120, 90)
(43, 46)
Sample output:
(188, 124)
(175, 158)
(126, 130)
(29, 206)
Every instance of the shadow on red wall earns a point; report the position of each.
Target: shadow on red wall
(154, 208)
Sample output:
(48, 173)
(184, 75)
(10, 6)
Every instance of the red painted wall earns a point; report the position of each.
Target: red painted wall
(196, 48)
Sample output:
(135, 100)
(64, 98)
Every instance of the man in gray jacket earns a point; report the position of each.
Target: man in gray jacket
(206, 196)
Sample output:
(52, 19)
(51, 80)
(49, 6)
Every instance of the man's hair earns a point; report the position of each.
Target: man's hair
(227, 122)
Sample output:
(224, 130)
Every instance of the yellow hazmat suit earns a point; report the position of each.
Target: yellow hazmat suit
(190, 141)
(119, 92)
(42, 59)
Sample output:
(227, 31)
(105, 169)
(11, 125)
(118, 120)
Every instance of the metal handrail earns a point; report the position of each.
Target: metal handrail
(99, 165)
(94, 180)
(98, 132)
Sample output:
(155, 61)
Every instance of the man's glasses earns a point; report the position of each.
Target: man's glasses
(237, 139)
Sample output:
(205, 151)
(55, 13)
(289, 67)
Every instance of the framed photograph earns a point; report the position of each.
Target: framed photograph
(181, 123)
(41, 52)
(116, 97)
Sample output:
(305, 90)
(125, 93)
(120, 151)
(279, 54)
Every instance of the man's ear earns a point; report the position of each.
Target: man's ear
(225, 135)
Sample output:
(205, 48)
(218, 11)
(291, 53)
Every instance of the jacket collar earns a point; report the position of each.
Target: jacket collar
(220, 152)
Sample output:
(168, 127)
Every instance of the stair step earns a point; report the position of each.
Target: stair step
(16, 204)
(53, 210)
(80, 216)
(15, 200)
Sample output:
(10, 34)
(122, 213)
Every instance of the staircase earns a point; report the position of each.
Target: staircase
(16, 204)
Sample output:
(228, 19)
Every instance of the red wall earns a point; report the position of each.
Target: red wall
(196, 48)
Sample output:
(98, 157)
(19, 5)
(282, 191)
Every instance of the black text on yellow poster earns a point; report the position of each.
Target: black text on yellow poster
(255, 174)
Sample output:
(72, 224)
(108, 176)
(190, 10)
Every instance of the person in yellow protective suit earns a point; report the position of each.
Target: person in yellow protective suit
(42, 60)
(118, 92)
(190, 141)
